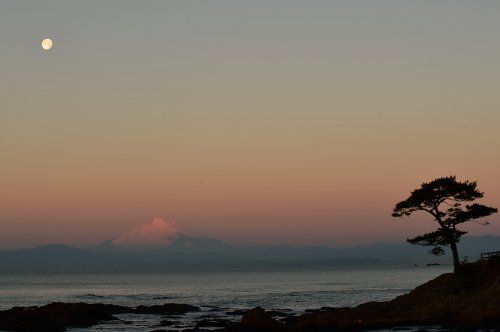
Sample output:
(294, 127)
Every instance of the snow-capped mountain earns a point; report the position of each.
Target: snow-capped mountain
(156, 234)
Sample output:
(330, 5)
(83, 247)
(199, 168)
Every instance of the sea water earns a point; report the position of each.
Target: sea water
(216, 292)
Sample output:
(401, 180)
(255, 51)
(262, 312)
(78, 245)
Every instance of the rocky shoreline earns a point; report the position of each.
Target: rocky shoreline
(59, 316)
(470, 299)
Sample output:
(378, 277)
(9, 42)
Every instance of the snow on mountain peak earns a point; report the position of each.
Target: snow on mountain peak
(154, 233)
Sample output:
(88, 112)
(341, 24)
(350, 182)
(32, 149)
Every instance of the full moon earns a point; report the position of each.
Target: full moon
(47, 44)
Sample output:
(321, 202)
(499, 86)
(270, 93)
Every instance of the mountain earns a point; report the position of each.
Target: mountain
(159, 235)
(156, 233)
(163, 245)
(153, 234)
(54, 257)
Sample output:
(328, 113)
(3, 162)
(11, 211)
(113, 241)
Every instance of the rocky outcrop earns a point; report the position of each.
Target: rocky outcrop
(257, 319)
(58, 316)
(470, 298)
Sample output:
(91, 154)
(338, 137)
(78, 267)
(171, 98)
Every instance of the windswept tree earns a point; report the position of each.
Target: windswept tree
(449, 202)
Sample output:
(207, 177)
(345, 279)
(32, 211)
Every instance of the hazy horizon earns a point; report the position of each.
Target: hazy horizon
(253, 122)
(347, 244)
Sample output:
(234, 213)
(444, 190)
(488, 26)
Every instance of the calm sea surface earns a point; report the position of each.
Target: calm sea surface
(215, 292)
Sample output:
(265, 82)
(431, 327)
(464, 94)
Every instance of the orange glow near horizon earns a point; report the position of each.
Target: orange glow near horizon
(298, 123)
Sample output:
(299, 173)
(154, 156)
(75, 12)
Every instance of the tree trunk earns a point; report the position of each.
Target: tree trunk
(456, 260)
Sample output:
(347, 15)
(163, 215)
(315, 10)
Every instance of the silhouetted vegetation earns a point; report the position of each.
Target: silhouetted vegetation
(445, 199)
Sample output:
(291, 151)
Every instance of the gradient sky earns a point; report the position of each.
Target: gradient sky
(299, 122)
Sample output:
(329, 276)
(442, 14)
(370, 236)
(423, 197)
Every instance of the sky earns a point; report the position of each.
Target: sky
(255, 122)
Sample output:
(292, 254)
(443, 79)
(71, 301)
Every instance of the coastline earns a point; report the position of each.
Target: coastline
(470, 299)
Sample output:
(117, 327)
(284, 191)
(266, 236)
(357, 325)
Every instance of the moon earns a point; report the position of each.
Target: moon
(47, 44)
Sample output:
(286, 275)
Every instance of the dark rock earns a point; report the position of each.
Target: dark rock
(277, 313)
(256, 319)
(470, 298)
(166, 309)
(57, 316)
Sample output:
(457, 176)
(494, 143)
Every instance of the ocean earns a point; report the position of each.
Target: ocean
(291, 291)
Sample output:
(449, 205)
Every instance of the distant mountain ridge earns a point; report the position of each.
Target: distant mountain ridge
(155, 233)
(158, 235)
(160, 244)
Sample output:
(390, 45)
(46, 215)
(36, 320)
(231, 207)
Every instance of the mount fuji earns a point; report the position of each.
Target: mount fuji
(162, 245)
(159, 234)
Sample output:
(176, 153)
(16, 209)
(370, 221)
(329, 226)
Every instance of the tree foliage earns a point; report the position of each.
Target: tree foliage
(449, 202)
